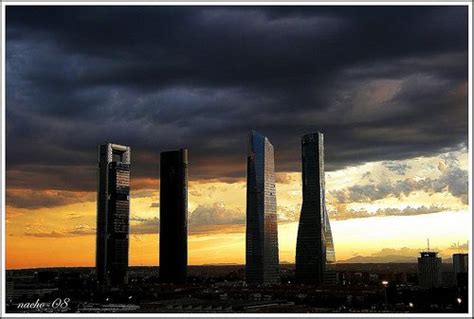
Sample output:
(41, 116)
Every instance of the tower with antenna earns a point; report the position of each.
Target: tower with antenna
(429, 268)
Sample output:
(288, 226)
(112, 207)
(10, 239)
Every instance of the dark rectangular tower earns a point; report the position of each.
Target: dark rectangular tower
(113, 211)
(429, 270)
(262, 262)
(461, 269)
(460, 263)
(314, 246)
(174, 216)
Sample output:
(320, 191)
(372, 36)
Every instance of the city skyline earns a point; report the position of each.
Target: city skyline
(392, 102)
(314, 241)
(459, 248)
(198, 234)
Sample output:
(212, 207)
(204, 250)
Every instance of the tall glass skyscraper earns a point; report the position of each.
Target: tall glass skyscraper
(174, 216)
(113, 211)
(314, 246)
(262, 262)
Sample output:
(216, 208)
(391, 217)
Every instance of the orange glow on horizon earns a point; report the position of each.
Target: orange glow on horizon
(63, 235)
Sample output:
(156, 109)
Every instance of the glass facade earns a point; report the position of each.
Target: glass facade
(113, 211)
(262, 262)
(314, 246)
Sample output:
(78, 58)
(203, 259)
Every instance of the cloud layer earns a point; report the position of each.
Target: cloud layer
(452, 179)
(383, 83)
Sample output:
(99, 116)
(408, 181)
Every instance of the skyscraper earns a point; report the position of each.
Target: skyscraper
(262, 263)
(314, 246)
(461, 269)
(113, 211)
(174, 216)
(429, 270)
(460, 263)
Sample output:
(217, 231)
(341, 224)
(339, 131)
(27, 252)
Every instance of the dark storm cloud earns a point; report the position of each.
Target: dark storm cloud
(33, 198)
(383, 83)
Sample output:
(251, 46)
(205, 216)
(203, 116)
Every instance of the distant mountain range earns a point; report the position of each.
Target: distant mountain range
(219, 264)
(380, 259)
(386, 259)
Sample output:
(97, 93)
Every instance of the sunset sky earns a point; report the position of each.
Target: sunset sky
(386, 85)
